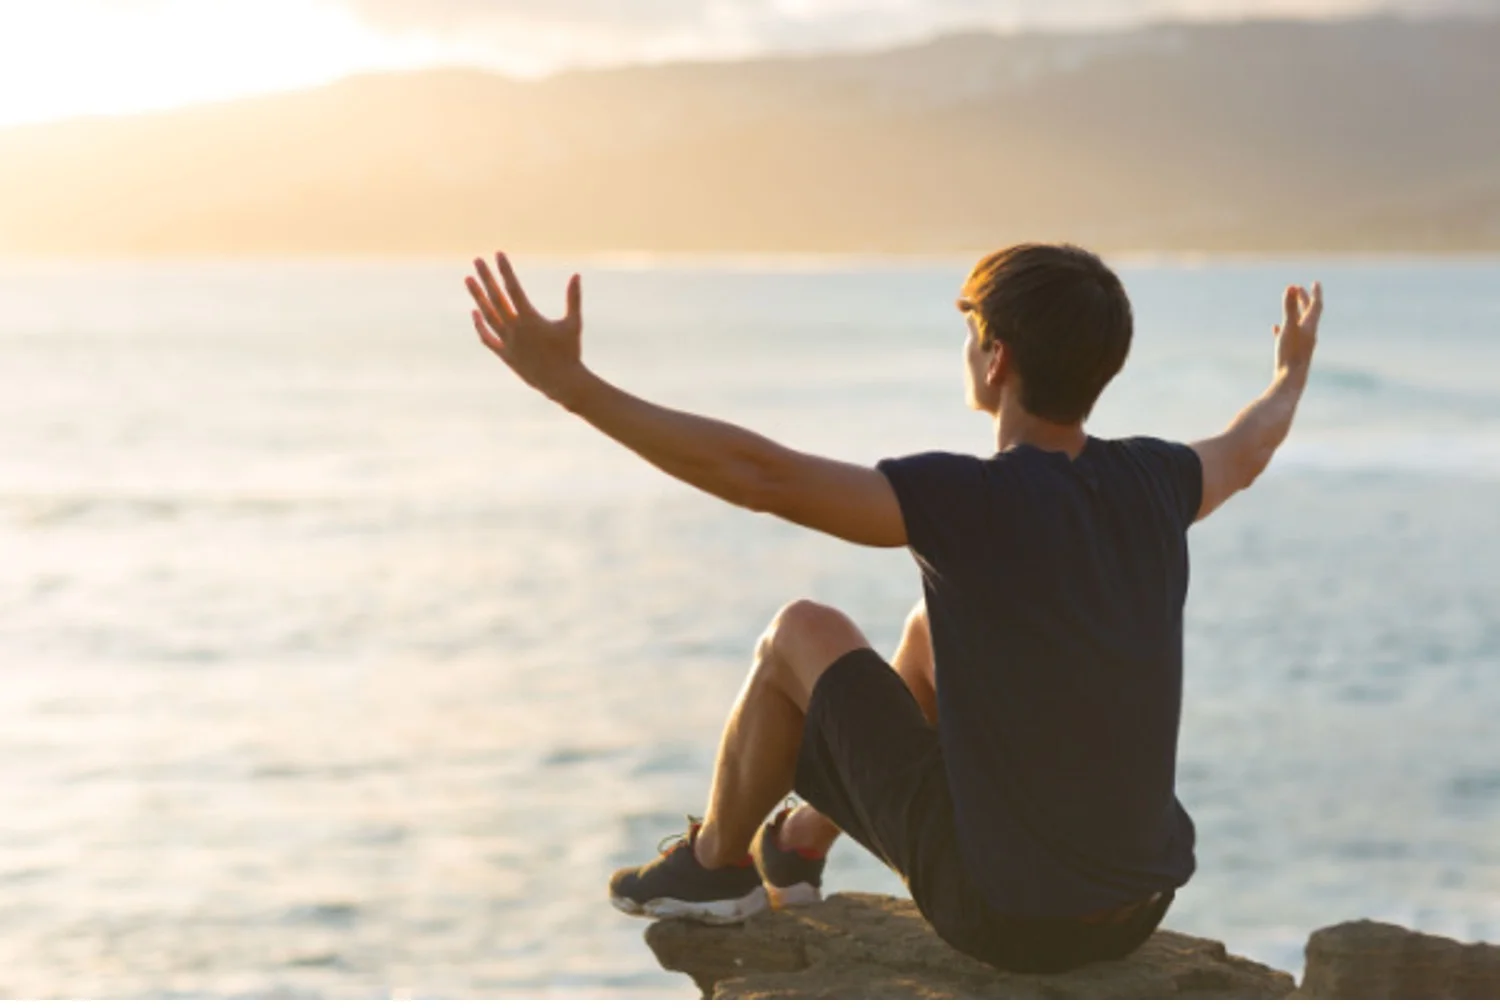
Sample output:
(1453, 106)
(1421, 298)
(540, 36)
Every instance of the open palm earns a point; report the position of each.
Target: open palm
(546, 354)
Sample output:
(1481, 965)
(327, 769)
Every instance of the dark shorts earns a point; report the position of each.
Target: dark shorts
(872, 764)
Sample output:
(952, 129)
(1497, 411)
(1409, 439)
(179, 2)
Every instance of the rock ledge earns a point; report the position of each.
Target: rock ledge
(856, 945)
(1367, 959)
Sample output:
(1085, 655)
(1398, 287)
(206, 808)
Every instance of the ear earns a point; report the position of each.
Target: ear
(999, 366)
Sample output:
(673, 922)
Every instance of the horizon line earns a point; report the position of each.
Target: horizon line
(756, 262)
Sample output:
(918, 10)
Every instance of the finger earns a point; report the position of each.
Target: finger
(487, 337)
(491, 315)
(502, 306)
(575, 299)
(513, 286)
(1315, 307)
(1290, 307)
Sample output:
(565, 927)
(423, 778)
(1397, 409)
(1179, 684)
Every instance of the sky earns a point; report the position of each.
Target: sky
(63, 58)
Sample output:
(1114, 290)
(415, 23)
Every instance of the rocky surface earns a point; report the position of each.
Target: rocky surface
(1366, 959)
(855, 945)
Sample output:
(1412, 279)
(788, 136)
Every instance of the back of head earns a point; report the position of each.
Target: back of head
(1064, 319)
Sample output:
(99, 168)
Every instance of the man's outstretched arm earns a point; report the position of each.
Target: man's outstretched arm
(852, 502)
(1234, 459)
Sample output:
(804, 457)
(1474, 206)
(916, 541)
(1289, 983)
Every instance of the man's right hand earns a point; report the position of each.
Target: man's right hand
(1234, 459)
(1297, 336)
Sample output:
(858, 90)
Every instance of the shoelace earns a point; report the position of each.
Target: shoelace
(669, 843)
(676, 840)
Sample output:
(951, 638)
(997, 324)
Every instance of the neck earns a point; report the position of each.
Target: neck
(1014, 426)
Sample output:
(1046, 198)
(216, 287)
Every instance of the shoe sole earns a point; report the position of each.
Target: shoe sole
(730, 911)
(800, 894)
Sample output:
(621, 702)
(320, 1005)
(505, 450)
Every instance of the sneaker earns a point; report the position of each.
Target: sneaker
(792, 877)
(676, 885)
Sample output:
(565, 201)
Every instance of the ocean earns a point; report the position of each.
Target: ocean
(335, 662)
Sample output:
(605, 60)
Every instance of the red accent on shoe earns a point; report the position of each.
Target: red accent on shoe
(806, 853)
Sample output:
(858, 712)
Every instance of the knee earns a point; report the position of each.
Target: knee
(916, 628)
(804, 639)
(800, 621)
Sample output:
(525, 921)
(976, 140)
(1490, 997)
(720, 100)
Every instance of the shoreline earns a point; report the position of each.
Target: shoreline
(634, 261)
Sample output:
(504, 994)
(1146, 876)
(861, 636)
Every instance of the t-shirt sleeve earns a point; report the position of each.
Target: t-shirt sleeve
(1180, 472)
(942, 498)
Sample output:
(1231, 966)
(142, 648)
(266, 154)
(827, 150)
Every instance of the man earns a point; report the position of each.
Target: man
(1016, 762)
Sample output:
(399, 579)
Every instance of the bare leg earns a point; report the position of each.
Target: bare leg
(758, 753)
(914, 664)
(807, 828)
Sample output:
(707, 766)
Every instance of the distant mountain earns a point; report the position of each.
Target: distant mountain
(1372, 134)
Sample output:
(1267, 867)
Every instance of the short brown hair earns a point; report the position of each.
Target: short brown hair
(1064, 317)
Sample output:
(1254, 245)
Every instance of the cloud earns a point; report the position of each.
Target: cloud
(536, 35)
(460, 14)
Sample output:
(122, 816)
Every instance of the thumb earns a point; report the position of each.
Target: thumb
(575, 299)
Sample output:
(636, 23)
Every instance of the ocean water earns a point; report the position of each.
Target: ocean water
(333, 661)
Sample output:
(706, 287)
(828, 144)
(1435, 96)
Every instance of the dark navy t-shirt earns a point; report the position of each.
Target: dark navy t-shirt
(1055, 590)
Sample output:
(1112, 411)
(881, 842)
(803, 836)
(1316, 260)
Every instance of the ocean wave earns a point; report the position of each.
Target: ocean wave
(1472, 453)
(51, 510)
(1355, 379)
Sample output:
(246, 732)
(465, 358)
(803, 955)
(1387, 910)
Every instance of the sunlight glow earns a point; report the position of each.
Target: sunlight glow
(77, 57)
(61, 58)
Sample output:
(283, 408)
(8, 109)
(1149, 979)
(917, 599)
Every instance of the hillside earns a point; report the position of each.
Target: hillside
(1374, 134)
